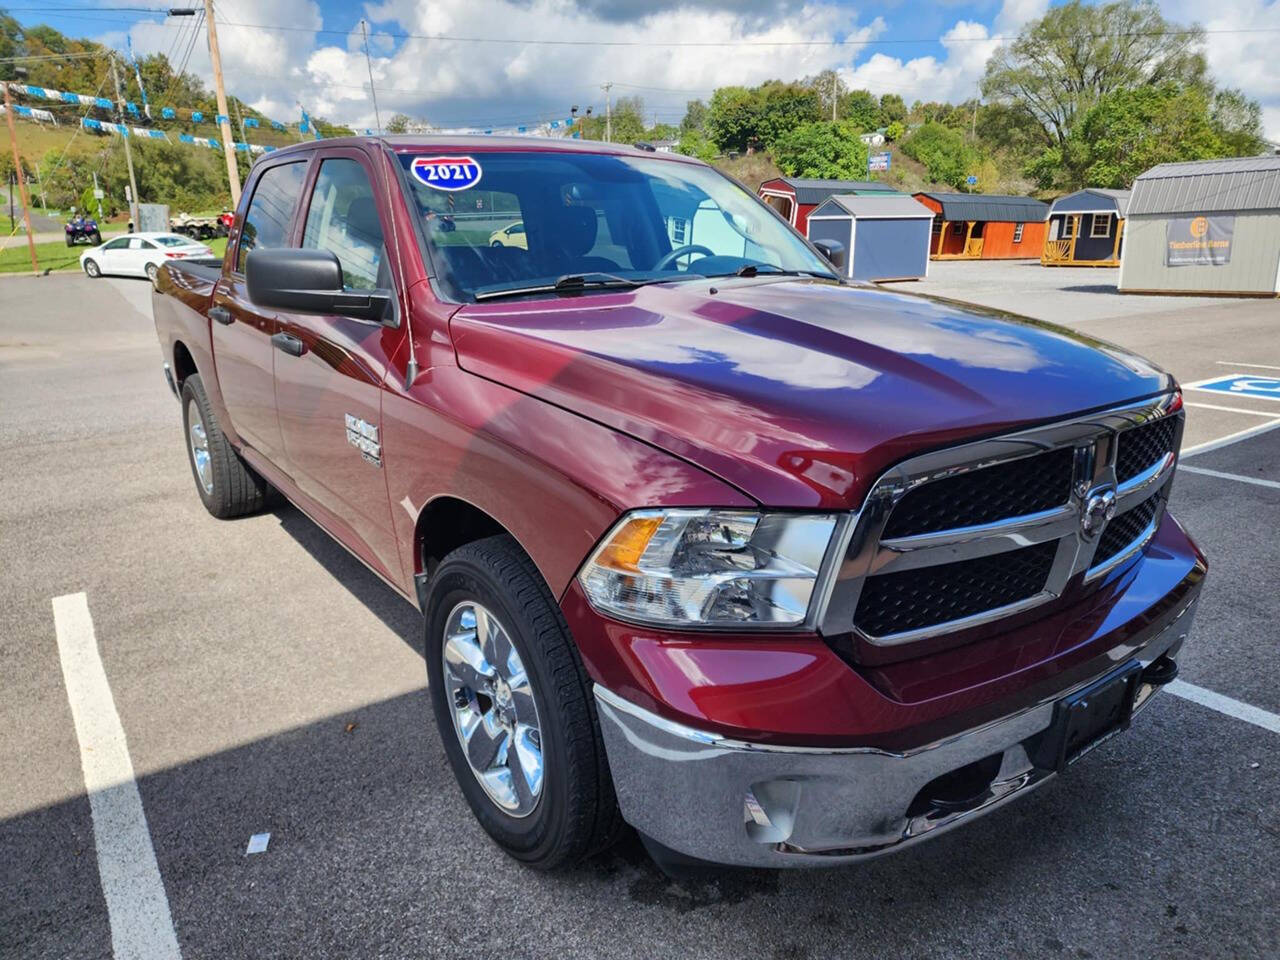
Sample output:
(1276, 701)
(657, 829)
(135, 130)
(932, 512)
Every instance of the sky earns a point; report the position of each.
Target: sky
(279, 52)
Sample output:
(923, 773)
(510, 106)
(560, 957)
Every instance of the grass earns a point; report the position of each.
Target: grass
(56, 256)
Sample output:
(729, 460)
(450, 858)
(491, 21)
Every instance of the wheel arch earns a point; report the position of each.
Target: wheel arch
(444, 524)
(184, 365)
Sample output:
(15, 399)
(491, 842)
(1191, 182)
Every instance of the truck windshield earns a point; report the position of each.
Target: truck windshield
(503, 224)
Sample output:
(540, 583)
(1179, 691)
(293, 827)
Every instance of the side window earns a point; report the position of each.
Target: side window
(266, 223)
(120, 244)
(1017, 233)
(143, 245)
(343, 218)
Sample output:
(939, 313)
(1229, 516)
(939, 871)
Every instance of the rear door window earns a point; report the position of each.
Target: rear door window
(343, 218)
(266, 223)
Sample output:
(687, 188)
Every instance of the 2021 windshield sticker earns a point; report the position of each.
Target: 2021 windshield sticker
(447, 173)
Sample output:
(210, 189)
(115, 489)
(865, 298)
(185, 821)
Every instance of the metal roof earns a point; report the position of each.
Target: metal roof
(872, 206)
(1092, 200)
(1207, 186)
(809, 190)
(988, 206)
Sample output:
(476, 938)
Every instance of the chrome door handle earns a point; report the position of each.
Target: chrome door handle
(289, 344)
(220, 314)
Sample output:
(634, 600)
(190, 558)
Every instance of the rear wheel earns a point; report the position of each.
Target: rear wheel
(70, 242)
(97, 238)
(91, 268)
(152, 270)
(514, 707)
(227, 485)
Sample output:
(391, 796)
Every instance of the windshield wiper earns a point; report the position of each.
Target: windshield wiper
(765, 269)
(573, 282)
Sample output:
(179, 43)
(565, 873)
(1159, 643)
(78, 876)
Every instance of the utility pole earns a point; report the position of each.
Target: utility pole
(228, 147)
(97, 191)
(835, 94)
(22, 183)
(608, 111)
(369, 63)
(128, 152)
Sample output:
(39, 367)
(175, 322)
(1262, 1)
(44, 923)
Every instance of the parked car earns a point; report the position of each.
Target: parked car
(511, 235)
(777, 569)
(82, 230)
(140, 254)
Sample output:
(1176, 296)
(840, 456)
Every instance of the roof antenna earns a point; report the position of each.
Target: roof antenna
(410, 368)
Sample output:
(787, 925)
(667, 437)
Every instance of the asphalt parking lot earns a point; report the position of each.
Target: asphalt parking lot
(266, 682)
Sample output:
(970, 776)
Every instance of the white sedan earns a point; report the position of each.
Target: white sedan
(140, 254)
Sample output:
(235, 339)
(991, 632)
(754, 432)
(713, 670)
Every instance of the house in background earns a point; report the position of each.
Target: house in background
(1085, 229)
(797, 197)
(1204, 227)
(985, 226)
(885, 235)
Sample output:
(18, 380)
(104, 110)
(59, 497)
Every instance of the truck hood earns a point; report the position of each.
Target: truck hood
(800, 393)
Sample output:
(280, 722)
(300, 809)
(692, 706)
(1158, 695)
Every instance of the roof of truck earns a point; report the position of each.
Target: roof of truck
(404, 143)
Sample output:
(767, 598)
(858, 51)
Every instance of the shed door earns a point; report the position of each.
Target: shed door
(891, 249)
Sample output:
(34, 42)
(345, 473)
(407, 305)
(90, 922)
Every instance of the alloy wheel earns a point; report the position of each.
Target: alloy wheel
(491, 701)
(199, 447)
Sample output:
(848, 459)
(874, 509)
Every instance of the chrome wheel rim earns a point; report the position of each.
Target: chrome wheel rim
(494, 713)
(199, 447)
(91, 268)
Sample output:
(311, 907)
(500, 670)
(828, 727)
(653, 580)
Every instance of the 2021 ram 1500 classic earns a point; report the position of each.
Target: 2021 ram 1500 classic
(776, 569)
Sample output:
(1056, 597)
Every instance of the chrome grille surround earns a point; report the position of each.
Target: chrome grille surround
(1094, 441)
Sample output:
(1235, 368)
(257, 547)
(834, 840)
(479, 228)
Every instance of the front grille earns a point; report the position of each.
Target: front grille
(1011, 489)
(913, 599)
(1141, 447)
(1125, 529)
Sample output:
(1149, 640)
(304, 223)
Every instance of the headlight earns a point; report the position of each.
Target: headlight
(725, 568)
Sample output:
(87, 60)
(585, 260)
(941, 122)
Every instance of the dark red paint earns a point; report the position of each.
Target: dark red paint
(554, 416)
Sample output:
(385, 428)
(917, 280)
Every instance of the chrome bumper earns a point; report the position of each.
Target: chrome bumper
(733, 802)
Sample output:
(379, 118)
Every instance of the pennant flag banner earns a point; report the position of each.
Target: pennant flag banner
(168, 113)
(251, 121)
(242, 146)
(91, 124)
(102, 102)
(132, 108)
(277, 125)
(221, 119)
(186, 138)
(197, 116)
(151, 134)
(31, 113)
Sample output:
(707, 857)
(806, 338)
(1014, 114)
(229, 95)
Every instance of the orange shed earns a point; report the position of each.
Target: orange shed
(982, 226)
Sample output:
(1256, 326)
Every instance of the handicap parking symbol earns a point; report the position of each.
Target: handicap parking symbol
(1268, 388)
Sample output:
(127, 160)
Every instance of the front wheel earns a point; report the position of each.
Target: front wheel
(152, 270)
(70, 242)
(514, 708)
(91, 268)
(96, 239)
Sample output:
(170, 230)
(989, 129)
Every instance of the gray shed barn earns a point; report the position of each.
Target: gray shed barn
(885, 237)
(1208, 227)
(1085, 229)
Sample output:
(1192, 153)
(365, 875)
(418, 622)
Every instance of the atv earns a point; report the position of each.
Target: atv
(83, 230)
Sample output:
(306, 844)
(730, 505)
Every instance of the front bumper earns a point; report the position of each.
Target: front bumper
(735, 802)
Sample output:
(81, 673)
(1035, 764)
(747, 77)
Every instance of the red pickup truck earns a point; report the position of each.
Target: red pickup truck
(777, 569)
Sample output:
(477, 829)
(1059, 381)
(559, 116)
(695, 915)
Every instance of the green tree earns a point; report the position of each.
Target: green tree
(1063, 63)
(1129, 131)
(399, 123)
(695, 117)
(694, 144)
(944, 152)
(892, 108)
(1238, 123)
(861, 108)
(826, 85)
(895, 130)
(830, 151)
(740, 118)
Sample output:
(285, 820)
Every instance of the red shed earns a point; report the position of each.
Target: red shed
(984, 226)
(797, 197)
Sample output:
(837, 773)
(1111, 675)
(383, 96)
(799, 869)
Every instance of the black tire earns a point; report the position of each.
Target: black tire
(152, 271)
(496, 243)
(97, 238)
(236, 490)
(92, 269)
(577, 812)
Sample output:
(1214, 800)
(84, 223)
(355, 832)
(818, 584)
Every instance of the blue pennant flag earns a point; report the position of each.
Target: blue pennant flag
(277, 125)
(35, 91)
(102, 102)
(555, 124)
(488, 132)
(186, 138)
(520, 129)
(91, 124)
(132, 108)
(22, 111)
(251, 121)
(242, 147)
(197, 116)
(221, 119)
(214, 144)
(70, 97)
(168, 113)
(268, 149)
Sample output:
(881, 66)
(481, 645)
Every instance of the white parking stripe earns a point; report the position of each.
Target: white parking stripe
(1229, 439)
(1232, 708)
(1247, 366)
(1256, 481)
(141, 926)
(1214, 406)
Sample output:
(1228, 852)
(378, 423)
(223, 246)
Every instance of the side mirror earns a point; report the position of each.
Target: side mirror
(832, 250)
(310, 281)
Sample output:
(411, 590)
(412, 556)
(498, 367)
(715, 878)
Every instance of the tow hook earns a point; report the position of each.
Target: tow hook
(1160, 671)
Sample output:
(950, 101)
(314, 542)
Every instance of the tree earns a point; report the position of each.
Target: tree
(695, 117)
(694, 144)
(861, 108)
(895, 130)
(826, 85)
(1065, 62)
(830, 151)
(399, 123)
(1238, 123)
(739, 118)
(1129, 131)
(944, 152)
(892, 108)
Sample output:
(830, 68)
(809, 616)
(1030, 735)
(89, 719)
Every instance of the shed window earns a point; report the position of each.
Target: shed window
(1101, 226)
(1017, 233)
(1068, 227)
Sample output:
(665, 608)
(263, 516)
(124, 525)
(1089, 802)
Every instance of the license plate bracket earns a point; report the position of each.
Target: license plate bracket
(1087, 718)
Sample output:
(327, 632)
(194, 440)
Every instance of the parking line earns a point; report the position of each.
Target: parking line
(1227, 705)
(1214, 406)
(137, 907)
(1254, 366)
(1230, 438)
(1256, 481)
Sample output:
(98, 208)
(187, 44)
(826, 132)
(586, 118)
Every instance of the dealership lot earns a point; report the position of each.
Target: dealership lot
(266, 682)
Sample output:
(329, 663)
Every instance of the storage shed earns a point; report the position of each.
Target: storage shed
(1085, 229)
(1207, 227)
(985, 226)
(885, 237)
(797, 197)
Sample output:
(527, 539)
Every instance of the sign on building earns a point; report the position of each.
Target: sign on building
(878, 161)
(1198, 241)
